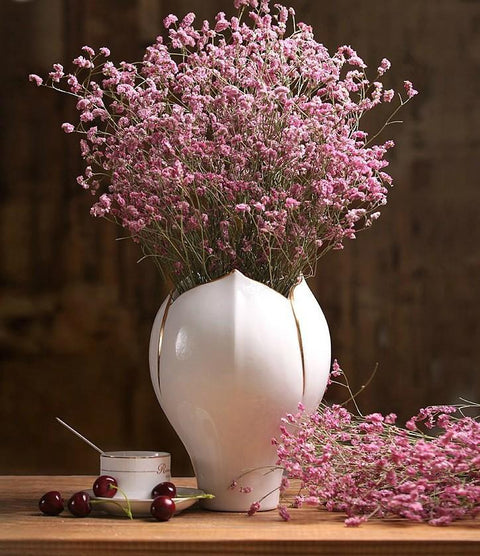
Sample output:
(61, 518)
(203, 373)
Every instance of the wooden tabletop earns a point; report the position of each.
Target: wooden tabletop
(24, 531)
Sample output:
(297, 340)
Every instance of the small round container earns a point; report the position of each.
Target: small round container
(136, 472)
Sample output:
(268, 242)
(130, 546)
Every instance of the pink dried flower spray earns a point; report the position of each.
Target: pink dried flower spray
(367, 466)
(177, 151)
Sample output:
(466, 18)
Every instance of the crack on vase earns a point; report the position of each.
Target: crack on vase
(160, 338)
(299, 336)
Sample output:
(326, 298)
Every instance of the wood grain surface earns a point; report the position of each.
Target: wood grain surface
(76, 309)
(24, 531)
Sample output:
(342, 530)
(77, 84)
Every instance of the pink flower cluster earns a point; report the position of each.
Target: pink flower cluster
(369, 467)
(232, 145)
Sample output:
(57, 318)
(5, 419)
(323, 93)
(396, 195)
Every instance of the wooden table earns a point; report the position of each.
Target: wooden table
(24, 531)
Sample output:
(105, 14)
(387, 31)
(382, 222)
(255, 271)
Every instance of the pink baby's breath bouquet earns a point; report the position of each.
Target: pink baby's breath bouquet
(235, 145)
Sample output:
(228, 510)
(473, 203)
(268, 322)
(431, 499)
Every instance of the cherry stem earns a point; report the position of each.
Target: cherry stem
(128, 509)
(94, 501)
(197, 496)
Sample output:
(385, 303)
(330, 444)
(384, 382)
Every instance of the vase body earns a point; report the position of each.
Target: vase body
(228, 360)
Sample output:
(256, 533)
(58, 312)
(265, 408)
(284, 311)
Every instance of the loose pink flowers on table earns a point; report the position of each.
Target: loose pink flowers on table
(367, 466)
(232, 145)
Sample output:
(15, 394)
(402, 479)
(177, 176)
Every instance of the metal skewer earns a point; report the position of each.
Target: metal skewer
(71, 429)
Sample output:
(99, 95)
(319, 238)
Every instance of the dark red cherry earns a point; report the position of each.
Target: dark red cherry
(162, 508)
(105, 486)
(51, 503)
(164, 489)
(79, 504)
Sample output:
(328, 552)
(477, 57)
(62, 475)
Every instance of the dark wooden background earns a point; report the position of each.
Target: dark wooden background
(76, 309)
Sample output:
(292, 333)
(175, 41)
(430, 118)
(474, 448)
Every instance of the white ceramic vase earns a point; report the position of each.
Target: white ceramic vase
(228, 360)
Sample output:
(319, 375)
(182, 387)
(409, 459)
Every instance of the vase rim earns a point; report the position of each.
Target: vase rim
(235, 272)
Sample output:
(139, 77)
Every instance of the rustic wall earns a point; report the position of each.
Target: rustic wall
(75, 308)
